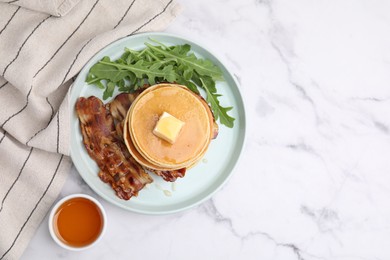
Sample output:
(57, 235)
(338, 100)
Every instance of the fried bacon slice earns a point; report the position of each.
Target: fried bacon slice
(170, 176)
(215, 129)
(118, 108)
(104, 145)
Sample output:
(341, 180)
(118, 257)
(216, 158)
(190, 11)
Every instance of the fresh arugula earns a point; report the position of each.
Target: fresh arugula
(159, 63)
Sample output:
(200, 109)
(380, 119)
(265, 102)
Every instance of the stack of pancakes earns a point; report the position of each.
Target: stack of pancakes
(193, 140)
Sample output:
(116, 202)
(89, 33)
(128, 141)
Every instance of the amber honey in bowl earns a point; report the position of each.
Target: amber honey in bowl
(77, 222)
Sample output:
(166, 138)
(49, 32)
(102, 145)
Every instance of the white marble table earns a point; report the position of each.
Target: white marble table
(314, 179)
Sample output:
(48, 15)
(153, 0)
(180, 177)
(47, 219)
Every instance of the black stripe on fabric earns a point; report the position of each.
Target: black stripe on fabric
(74, 60)
(10, 19)
(4, 134)
(70, 36)
(17, 178)
(151, 19)
(51, 107)
(58, 130)
(20, 48)
(3, 84)
(17, 113)
(13, 1)
(36, 205)
(82, 48)
(51, 117)
(128, 9)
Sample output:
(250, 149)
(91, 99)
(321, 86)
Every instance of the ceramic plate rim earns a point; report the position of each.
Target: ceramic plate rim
(239, 99)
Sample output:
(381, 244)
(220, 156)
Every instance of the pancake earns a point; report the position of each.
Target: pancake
(194, 136)
(134, 152)
(193, 140)
(138, 157)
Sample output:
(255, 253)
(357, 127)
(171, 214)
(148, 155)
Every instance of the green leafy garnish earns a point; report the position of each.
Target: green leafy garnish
(159, 63)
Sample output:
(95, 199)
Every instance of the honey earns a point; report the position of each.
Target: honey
(78, 222)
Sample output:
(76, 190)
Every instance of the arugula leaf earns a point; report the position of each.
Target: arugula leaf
(160, 63)
(92, 79)
(139, 69)
(109, 90)
(107, 71)
(203, 67)
(219, 111)
(181, 49)
(207, 82)
(188, 84)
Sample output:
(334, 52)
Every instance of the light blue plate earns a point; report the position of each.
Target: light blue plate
(200, 182)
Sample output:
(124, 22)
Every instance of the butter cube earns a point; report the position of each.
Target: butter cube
(168, 127)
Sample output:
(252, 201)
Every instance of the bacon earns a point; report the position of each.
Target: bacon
(118, 107)
(170, 176)
(215, 130)
(106, 147)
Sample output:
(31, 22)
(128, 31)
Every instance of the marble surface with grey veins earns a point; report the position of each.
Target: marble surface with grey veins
(313, 181)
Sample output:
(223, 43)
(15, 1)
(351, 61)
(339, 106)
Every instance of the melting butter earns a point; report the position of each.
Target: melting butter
(168, 127)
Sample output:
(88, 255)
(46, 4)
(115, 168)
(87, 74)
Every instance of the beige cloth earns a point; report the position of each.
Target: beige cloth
(39, 56)
(53, 7)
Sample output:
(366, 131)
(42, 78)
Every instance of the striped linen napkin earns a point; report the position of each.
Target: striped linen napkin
(40, 54)
(53, 7)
